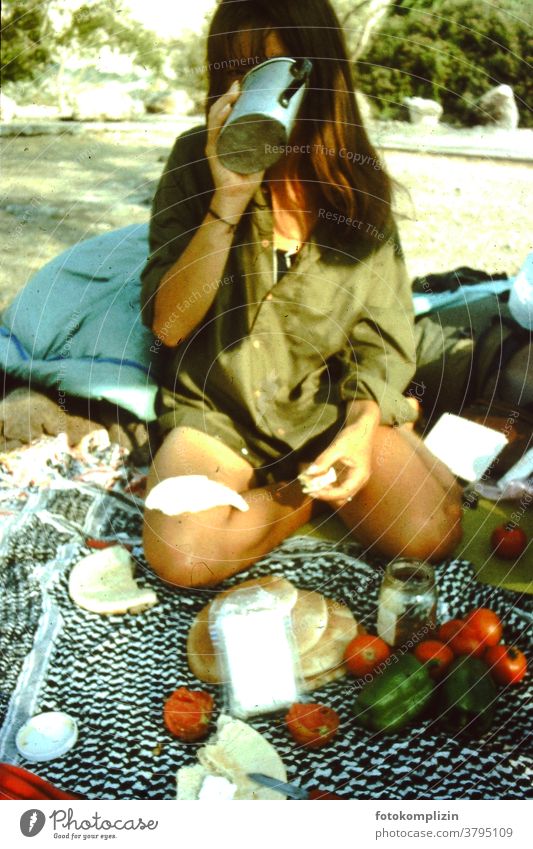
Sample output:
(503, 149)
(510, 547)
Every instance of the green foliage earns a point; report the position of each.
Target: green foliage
(30, 45)
(451, 51)
(25, 48)
(102, 23)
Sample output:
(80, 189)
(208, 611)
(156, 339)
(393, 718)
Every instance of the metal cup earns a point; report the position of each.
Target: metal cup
(262, 120)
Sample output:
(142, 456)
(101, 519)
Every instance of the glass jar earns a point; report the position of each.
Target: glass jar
(407, 605)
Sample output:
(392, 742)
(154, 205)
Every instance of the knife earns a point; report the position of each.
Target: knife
(291, 790)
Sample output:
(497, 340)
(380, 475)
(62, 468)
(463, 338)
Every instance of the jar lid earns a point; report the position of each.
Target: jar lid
(415, 574)
(46, 736)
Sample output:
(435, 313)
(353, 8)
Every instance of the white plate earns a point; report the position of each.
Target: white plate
(47, 736)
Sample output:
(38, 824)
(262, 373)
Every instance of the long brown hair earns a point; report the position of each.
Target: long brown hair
(343, 168)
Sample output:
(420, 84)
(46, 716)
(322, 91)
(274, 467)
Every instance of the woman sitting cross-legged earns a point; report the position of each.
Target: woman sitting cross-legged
(283, 312)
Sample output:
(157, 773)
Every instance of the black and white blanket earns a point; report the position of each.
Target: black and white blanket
(113, 673)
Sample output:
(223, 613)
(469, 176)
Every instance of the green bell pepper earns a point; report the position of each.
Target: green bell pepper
(467, 696)
(396, 696)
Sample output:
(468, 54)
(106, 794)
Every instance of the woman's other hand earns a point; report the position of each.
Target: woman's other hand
(350, 454)
(232, 191)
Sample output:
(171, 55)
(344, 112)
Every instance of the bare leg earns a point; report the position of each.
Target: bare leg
(202, 549)
(411, 505)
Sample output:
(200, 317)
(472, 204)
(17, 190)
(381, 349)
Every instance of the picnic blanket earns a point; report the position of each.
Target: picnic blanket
(113, 673)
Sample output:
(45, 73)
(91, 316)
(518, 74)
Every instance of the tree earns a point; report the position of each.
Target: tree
(360, 20)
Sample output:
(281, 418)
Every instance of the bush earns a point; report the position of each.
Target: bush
(451, 51)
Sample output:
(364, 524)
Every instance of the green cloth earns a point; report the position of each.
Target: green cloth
(273, 365)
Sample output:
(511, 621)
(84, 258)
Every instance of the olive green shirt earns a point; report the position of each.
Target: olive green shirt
(279, 358)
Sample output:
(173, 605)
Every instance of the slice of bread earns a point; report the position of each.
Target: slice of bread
(103, 583)
(309, 619)
(328, 653)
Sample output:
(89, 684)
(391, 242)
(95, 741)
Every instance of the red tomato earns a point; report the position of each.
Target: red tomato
(508, 541)
(450, 629)
(312, 725)
(435, 655)
(466, 641)
(507, 664)
(187, 714)
(364, 653)
(486, 624)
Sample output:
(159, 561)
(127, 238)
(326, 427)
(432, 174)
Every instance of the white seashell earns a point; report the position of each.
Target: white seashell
(192, 494)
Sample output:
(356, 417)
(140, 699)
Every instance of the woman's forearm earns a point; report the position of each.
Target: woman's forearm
(188, 289)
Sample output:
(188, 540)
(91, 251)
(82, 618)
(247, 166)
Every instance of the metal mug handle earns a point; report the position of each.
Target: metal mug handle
(301, 71)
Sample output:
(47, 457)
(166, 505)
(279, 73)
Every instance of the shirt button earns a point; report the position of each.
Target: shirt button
(265, 243)
(257, 393)
(269, 296)
(281, 431)
(256, 343)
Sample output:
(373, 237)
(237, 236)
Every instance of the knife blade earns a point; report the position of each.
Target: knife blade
(291, 790)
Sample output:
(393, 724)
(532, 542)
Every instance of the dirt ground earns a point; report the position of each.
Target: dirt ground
(59, 189)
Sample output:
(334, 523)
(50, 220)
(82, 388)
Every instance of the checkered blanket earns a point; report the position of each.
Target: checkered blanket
(113, 673)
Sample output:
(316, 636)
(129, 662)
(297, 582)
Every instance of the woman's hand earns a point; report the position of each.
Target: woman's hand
(350, 454)
(232, 191)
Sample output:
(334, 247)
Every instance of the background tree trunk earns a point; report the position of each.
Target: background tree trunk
(360, 20)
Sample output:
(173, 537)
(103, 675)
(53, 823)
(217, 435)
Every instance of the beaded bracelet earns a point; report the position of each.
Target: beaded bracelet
(219, 218)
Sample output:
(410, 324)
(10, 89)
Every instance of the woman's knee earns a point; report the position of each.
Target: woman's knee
(179, 558)
(439, 540)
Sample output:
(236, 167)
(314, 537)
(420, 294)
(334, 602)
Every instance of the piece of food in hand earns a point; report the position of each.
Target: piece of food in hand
(187, 714)
(313, 483)
(508, 541)
(192, 494)
(364, 653)
(486, 624)
(224, 763)
(507, 664)
(396, 697)
(467, 697)
(436, 656)
(450, 629)
(312, 725)
(103, 583)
